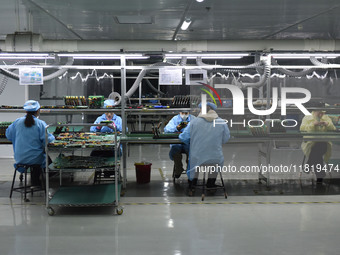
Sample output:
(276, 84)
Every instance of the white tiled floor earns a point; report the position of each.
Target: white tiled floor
(158, 222)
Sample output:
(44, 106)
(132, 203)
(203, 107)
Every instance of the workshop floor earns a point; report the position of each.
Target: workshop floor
(292, 215)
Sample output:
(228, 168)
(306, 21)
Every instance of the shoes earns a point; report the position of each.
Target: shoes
(177, 175)
(193, 182)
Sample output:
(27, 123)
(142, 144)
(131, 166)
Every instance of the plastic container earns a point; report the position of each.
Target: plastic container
(143, 171)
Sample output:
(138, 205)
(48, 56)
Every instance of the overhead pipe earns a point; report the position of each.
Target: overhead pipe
(263, 78)
(140, 77)
(45, 78)
(153, 88)
(292, 73)
(23, 42)
(323, 62)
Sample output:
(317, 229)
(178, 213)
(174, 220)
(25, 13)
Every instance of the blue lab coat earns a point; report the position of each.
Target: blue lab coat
(28, 142)
(171, 127)
(116, 119)
(205, 141)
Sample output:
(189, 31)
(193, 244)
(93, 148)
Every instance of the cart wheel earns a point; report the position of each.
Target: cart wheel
(21, 177)
(225, 195)
(119, 211)
(122, 193)
(26, 200)
(203, 197)
(50, 211)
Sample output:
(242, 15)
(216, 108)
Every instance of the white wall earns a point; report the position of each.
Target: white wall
(13, 94)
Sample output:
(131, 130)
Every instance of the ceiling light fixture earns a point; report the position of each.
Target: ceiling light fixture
(103, 56)
(303, 55)
(200, 1)
(26, 56)
(186, 23)
(207, 55)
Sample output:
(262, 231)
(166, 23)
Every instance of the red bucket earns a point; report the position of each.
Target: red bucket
(143, 171)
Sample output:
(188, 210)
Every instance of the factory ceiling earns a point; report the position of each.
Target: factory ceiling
(162, 19)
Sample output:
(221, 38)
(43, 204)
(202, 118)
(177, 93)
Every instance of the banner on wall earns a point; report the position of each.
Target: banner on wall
(31, 76)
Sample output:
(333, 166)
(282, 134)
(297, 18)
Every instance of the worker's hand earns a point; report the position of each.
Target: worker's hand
(111, 125)
(320, 123)
(181, 125)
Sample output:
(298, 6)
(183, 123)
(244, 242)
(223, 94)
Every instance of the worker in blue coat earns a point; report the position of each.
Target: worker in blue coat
(205, 134)
(107, 129)
(27, 135)
(108, 116)
(177, 124)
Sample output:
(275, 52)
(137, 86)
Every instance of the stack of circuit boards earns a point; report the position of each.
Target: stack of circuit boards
(79, 162)
(96, 101)
(75, 100)
(3, 126)
(84, 140)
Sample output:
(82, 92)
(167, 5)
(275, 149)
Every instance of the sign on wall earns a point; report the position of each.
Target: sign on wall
(170, 76)
(31, 76)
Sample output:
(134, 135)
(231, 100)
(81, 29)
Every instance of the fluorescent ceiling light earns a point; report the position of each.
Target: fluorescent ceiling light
(200, 1)
(103, 56)
(207, 56)
(186, 24)
(303, 55)
(26, 56)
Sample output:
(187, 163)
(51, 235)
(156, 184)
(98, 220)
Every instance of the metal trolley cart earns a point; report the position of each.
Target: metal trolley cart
(79, 195)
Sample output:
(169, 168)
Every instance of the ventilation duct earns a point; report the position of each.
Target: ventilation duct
(23, 42)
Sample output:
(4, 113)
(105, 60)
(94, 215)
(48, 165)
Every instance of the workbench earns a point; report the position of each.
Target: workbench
(265, 143)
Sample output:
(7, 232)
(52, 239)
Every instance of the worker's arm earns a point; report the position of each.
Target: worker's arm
(185, 135)
(307, 124)
(118, 123)
(96, 128)
(10, 131)
(226, 134)
(171, 127)
(42, 127)
(329, 123)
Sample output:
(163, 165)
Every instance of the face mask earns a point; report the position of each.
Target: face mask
(184, 116)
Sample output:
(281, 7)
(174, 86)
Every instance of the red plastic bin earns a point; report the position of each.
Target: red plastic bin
(143, 171)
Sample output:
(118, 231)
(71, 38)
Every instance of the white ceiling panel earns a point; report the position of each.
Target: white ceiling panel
(211, 19)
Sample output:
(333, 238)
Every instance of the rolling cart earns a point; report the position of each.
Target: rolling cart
(83, 195)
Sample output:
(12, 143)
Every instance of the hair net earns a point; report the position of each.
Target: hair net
(31, 106)
(109, 103)
(213, 106)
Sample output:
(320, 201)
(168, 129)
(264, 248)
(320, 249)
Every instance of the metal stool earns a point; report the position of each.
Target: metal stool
(193, 184)
(23, 177)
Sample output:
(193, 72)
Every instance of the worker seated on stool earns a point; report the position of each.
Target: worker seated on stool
(206, 134)
(177, 124)
(317, 152)
(108, 116)
(27, 135)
